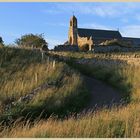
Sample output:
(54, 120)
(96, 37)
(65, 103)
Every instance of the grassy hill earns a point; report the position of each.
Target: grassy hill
(69, 94)
(23, 71)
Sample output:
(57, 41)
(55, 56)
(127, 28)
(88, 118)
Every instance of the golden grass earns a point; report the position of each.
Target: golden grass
(121, 70)
(23, 70)
(19, 75)
(122, 121)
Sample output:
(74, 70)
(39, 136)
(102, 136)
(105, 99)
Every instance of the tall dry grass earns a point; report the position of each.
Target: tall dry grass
(122, 121)
(22, 71)
(120, 70)
(118, 122)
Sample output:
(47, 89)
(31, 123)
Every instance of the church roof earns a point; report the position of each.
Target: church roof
(97, 33)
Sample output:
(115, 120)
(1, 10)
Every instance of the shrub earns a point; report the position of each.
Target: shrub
(31, 40)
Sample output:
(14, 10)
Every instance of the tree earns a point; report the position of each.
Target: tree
(31, 40)
(1, 42)
(45, 47)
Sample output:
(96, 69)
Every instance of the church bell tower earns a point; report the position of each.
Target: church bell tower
(73, 31)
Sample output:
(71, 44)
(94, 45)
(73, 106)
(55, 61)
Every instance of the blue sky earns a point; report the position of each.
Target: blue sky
(52, 19)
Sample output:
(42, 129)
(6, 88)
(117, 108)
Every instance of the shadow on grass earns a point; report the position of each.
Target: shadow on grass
(110, 76)
(52, 106)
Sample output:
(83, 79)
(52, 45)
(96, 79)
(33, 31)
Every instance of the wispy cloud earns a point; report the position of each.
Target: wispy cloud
(100, 9)
(131, 31)
(95, 26)
(51, 11)
(128, 31)
(53, 19)
(115, 9)
(60, 24)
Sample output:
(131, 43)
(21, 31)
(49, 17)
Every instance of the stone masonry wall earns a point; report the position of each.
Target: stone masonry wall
(105, 49)
(85, 40)
(66, 48)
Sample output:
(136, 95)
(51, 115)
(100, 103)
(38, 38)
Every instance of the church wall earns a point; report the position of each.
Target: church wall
(75, 40)
(85, 40)
(133, 41)
(99, 41)
(82, 41)
(106, 49)
(66, 48)
(72, 34)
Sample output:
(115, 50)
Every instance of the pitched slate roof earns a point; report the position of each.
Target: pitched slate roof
(97, 33)
(132, 38)
(136, 41)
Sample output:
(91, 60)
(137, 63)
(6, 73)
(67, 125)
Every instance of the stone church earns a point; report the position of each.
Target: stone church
(80, 36)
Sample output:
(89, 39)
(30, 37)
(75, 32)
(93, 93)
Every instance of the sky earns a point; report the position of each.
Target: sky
(52, 19)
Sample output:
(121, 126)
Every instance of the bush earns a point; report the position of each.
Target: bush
(1, 42)
(31, 40)
(1, 45)
(45, 47)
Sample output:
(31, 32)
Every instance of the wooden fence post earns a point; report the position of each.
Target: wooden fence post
(53, 63)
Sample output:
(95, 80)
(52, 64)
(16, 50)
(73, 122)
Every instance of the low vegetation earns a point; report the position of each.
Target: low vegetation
(22, 71)
(121, 121)
(31, 40)
(118, 70)
(1, 42)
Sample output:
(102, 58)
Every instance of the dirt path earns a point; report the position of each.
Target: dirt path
(101, 94)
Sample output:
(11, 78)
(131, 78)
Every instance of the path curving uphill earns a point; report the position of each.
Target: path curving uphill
(101, 94)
